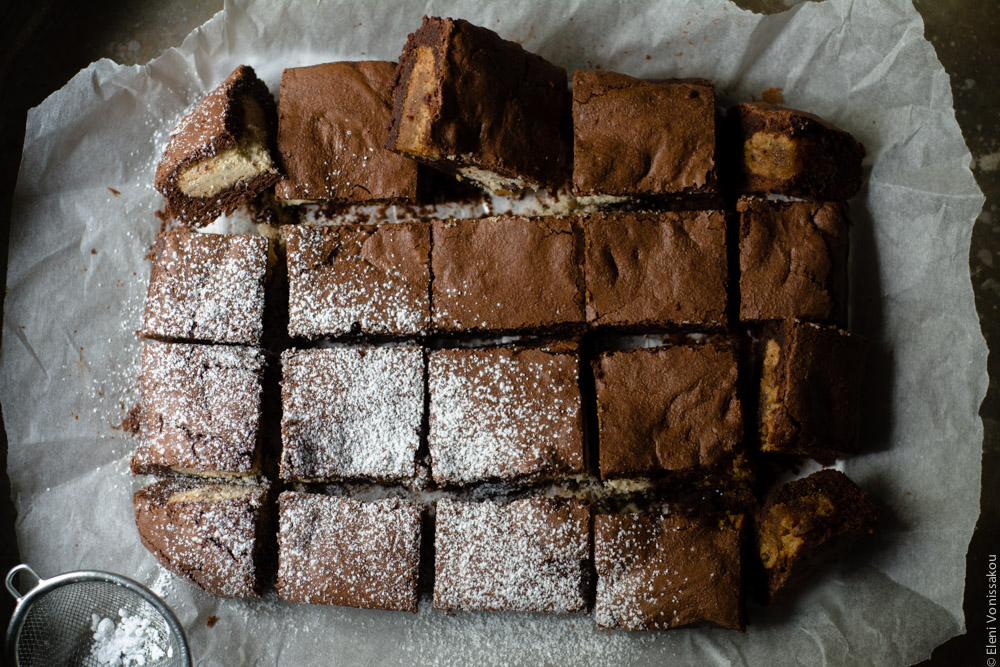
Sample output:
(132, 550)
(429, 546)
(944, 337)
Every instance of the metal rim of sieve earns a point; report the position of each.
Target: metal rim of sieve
(44, 586)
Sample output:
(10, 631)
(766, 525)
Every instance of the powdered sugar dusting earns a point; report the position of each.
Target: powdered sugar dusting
(130, 643)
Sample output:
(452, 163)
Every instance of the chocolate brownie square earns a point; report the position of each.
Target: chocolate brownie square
(657, 572)
(200, 410)
(507, 274)
(666, 409)
(207, 288)
(351, 413)
(469, 102)
(348, 552)
(332, 122)
(793, 260)
(636, 138)
(656, 270)
(359, 279)
(527, 555)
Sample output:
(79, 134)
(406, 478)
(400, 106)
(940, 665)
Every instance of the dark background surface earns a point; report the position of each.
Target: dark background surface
(47, 41)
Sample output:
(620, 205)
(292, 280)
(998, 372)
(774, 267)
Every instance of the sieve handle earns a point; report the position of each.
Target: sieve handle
(12, 575)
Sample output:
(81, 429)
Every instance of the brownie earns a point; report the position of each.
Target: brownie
(505, 413)
(469, 102)
(346, 552)
(332, 122)
(359, 279)
(656, 270)
(213, 535)
(808, 524)
(657, 572)
(527, 555)
(637, 138)
(351, 413)
(221, 154)
(507, 274)
(207, 288)
(667, 409)
(791, 152)
(810, 390)
(793, 260)
(200, 410)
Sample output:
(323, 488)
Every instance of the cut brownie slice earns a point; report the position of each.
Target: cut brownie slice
(347, 552)
(808, 524)
(657, 572)
(666, 409)
(792, 152)
(810, 391)
(332, 122)
(221, 154)
(507, 274)
(469, 102)
(351, 413)
(793, 260)
(206, 287)
(527, 555)
(505, 414)
(213, 535)
(359, 279)
(656, 270)
(200, 410)
(635, 138)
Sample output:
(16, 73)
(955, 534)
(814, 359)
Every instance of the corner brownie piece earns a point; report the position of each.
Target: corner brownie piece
(656, 270)
(791, 152)
(351, 413)
(206, 287)
(635, 138)
(666, 409)
(505, 413)
(807, 524)
(507, 274)
(332, 122)
(347, 552)
(793, 260)
(469, 102)
(200, 410)
(359, 279)
(213, 535)
(221, 154)
(810, 391)
(661, 572)
(527, 555)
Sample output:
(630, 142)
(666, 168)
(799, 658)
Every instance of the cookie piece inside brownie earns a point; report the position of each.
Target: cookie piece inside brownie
(469, 102)
(221, 154)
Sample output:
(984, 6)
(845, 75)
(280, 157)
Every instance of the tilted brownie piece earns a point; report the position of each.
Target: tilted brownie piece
(793, 260)
(507, 274)
(213, 535)
(656, 270)
(469, 102)
(810, 391)
(359, 279)
(351, 413)
(808, 524)
(666, 409)
(505, 413)
(206, 287)
(221, 154)
(347, 552)
(200, 410)
(527, 555)
(657, 572)
(791, 152)
(332, 122)
(635, 138)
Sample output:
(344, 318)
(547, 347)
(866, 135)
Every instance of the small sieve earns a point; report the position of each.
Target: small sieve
(52, 624)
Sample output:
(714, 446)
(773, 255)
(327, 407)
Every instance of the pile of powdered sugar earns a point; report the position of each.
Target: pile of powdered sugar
(132, 642)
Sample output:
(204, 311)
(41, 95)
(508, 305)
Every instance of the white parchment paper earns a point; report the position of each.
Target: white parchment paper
(77, 280)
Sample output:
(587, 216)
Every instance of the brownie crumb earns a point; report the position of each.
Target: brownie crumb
(211, 621)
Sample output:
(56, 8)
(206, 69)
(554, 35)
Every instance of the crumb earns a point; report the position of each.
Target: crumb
(211, 621)
(130, 423)
(93, 251)
(772, 96)
(114, 192)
